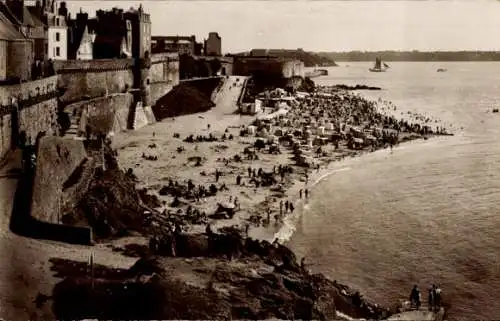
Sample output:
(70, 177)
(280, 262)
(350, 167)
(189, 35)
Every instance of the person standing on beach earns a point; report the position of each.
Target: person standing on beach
(415, 297)
(306, 193)
(300, 193)
(281, 207)
(437, 298)
(238, 180)
(249, 171)
(286, 206)
(291, 207)
(307, 179)
(431, 300)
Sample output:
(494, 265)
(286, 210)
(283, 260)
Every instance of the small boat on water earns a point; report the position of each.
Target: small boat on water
(379, 67)
(441, 70)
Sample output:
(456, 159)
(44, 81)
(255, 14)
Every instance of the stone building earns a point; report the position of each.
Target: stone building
(81, 37)
(113, 35)
(16, 53)
(141, 32)
(183, 45)
(28, 24)
(57, 30)
(213, 45)
(271, 66)
(120, 34)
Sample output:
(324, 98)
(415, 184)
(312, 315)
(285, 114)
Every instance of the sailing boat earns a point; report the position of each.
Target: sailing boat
(378, 66)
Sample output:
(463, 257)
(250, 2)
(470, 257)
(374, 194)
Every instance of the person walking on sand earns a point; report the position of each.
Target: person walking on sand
(217, 175)
(286, 206)
(307, 178)
(291, 207)
(306, 192)
(300, 193)
(281, 207)
(249, 171)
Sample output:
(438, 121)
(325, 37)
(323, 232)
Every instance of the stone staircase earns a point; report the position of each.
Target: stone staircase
(74, 128)
(131, 122)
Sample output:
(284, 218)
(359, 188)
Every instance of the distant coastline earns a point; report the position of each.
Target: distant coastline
(422, 56)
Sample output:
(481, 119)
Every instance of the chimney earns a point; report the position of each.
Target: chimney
(63, 10)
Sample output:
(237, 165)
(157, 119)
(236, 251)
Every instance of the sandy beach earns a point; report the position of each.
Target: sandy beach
(159, 156)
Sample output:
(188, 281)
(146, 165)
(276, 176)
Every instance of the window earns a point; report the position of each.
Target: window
(58, 36)
(58, 51)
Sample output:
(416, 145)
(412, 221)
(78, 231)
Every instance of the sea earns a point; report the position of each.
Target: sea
(427, 211)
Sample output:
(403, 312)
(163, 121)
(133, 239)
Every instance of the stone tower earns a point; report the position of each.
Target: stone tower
(141, 51)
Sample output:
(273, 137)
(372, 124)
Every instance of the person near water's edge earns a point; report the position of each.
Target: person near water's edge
(434, 300)
(415, 297)
(430, 301)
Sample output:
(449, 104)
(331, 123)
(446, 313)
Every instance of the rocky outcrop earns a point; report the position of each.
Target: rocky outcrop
(181, 100)
(219, 280)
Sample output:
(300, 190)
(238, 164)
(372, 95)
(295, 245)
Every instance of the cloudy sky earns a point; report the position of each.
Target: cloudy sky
(325, 25)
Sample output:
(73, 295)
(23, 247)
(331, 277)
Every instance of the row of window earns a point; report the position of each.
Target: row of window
(57, 50)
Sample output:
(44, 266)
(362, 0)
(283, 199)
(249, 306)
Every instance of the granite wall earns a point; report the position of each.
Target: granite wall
(87, 79)
(29, 108)
(106, 115)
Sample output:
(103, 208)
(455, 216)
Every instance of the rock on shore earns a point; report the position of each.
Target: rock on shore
(263, 282)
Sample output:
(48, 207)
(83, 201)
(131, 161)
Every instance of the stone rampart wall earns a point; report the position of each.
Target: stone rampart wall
(105, 114)
(29, 107)
(92, 84)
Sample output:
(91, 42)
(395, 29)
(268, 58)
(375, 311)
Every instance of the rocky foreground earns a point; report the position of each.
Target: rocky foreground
(212, 277)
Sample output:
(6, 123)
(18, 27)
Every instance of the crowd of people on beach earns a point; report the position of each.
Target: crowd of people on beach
(348, 122)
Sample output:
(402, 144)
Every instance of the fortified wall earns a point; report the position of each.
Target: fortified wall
(87, 79)
(110, 89)
(164, 73)
(26, 110)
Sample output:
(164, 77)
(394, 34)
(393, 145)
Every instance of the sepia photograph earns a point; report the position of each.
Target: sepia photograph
(249, 160)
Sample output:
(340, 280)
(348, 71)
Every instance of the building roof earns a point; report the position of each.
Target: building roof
(8, 14)
(30, 18)
(77, 36)
(8, 31)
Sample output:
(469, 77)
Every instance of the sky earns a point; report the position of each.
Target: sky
(324, 25)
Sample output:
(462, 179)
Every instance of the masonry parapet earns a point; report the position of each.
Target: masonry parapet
(94, 65)
(157, 58)
(27, 94)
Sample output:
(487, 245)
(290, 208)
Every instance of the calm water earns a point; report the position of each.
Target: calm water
(427, 212)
